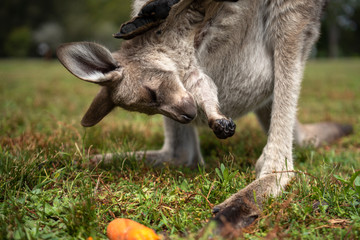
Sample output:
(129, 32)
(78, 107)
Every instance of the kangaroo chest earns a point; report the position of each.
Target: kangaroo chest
(235, 53)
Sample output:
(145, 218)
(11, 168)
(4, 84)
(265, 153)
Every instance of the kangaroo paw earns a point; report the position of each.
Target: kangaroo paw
(158, 9)
(136, 26)
(153, 13)
(223, 128)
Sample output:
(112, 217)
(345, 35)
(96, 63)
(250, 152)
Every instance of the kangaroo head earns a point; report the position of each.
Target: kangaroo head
(147, 74)
(147, 82)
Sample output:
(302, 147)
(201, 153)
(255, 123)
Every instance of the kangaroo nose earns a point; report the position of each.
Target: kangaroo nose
(188, 109)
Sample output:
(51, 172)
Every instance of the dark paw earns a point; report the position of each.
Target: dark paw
(151, 15)
(223, 128)
(135, 27)
(158, 9)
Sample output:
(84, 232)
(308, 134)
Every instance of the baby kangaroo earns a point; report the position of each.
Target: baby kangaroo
(206, 61)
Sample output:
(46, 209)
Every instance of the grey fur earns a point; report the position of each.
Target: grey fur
(236, 57)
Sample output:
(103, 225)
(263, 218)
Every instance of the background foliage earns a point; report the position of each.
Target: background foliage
(53, 22)
(33, 28)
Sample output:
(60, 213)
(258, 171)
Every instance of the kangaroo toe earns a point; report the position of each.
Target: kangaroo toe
(240, 213)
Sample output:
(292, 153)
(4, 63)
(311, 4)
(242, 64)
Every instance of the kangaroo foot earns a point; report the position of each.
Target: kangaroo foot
(223, 128)
(240, 213)
(153, 158)
(105, 159)
(244, 207)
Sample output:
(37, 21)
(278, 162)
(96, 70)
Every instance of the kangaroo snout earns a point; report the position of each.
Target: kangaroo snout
(187, 109)
(183, 111)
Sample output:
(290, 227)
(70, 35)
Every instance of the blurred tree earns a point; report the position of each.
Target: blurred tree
(18, 42)
(16, 14)
(76, 20)
(47, 38)
(93, 20)
(340, 27)
(51, 22)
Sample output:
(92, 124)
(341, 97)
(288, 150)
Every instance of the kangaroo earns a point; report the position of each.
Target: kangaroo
(205, 61)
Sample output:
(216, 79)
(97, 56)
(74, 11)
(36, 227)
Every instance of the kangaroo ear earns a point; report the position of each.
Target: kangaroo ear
(89, 61)
(99, 108)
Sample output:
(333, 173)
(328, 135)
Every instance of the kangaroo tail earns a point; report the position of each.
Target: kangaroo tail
(321, 133)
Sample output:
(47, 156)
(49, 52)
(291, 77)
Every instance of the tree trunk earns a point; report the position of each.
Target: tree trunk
(333, 40)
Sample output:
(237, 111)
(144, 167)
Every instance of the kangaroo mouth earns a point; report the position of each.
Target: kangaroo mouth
(184, 111)
(182, 117)
(186, 118)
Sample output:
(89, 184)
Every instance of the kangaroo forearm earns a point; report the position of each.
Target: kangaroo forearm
(204, 91)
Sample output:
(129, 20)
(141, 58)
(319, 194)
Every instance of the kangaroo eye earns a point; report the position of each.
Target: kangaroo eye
(152, 94)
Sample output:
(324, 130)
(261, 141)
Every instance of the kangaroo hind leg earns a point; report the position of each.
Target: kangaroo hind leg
(181, 148)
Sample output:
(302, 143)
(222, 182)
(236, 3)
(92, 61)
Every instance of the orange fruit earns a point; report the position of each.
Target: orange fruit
(126, 229)
(143, 233)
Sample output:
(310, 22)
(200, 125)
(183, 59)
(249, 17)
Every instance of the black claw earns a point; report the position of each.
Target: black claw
(224, 128)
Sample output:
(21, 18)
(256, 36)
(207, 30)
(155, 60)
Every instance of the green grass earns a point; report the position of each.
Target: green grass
(45, 193)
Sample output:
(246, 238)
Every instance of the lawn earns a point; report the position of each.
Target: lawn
(48, 192)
